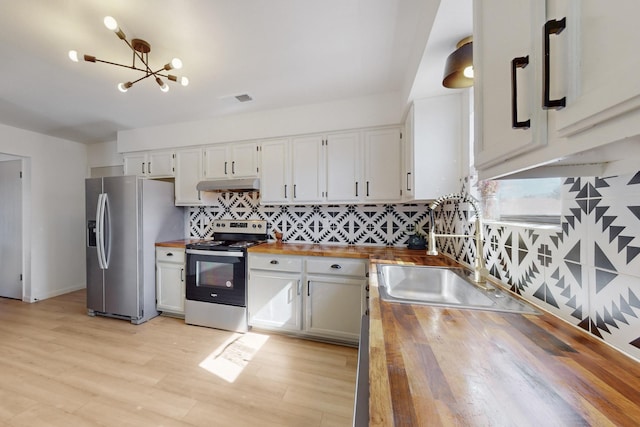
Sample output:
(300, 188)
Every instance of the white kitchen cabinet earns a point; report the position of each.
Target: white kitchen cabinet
(334, 295)
(170, 280)
(135, 164)
(275, 172)
(382, 151)
(314, 297)
(308, 170)
(432, 147)
(344, 167)
(275, 292)
(505, 52)
(577, 92)
(188, 174)
(237, 160)
(154, 164)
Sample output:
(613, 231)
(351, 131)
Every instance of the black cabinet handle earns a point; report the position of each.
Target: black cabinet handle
(225, 168)
(149, 167)
(169, 253)
(356, 188)
(309, 288)
(551, 27)
(408, 176)
(274, 261)
(336, 266)
(367, 188)
(516, 63)
(285, 191)
(294, 191)
(233, 168)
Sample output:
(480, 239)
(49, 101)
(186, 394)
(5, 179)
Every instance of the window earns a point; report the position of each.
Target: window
(536, 200)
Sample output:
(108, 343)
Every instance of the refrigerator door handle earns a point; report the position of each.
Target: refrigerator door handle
(100, 230)
(106, 232)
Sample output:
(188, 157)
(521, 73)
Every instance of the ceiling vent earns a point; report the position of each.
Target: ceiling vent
(244, 98)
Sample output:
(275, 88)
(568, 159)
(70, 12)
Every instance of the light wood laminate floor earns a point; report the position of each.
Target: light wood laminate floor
(60, 367)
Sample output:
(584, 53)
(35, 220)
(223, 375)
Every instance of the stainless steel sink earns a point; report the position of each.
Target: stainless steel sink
(443, 286)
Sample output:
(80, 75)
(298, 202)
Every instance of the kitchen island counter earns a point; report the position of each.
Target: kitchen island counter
(432, 366)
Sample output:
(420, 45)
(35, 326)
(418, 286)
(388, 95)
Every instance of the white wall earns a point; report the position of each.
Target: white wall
(375, 110)
(54, 171)
(103, 154)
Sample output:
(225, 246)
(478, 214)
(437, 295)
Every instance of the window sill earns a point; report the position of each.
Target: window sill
(524, 224)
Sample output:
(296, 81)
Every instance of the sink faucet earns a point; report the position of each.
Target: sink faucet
(480, 271)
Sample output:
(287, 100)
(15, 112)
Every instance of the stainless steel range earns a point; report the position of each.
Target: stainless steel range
(216, 287)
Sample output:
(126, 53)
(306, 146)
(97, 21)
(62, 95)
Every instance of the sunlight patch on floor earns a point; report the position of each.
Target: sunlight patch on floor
(228, 360)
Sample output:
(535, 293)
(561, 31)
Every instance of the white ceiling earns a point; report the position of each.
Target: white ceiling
(281, 52)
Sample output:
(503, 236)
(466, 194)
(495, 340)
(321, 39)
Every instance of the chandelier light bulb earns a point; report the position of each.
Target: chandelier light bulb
(110, 23)
(184, 81)
(176, 63)
(123, 87)
(163, 86)
(73, 55)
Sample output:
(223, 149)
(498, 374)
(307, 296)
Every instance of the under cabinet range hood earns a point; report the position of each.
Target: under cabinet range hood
(223, 185)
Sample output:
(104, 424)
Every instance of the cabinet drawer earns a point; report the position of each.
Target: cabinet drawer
(337, 266)
(170, 255)
(275, 263)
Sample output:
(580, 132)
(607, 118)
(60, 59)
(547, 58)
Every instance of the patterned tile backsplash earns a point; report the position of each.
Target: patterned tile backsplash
(586, 271)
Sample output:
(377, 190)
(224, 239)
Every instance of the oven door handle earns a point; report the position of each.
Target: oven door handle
(213, 254)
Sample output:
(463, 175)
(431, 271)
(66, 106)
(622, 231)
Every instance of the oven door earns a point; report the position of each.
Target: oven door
(217, 277)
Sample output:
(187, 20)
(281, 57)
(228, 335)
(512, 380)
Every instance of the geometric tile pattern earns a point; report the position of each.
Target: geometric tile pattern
(376, 225)
(585, 271)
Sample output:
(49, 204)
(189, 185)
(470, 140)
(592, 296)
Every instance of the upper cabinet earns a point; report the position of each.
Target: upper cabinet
(275, 172)
(382, 162)
(231, 161)
(154, 164)
(344, 167)
(189, 172)
(432, 146)
(307, 169)
(349, 167)
(554, 90)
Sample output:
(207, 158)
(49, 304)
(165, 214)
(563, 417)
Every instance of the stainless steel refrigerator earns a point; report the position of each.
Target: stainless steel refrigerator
(126, 216)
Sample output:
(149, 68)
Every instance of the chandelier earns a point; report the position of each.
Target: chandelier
(140, 50)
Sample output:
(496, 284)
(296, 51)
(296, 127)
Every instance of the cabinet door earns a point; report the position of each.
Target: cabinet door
(244, 160)
(135, 164)
(274, 300)
(600, 81)
(408, 186)
(344, 181)
(505, 32)
(216, 164)
(308, 170)
(160, 164)
(382, 165)
(275, 172)
(334, 307)
(170, 287)
(188, 174)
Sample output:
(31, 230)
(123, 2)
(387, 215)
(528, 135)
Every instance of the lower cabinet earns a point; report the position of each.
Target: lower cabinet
(274, 300)
(170, 277)
(315, 297)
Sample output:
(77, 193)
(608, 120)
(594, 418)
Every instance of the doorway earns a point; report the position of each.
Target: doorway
(10, 227)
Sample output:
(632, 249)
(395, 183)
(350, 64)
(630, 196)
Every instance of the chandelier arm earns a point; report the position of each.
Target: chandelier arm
(139, 55)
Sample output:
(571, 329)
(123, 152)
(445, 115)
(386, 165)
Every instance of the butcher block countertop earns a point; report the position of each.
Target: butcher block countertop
(181, 243)
(431, 366)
